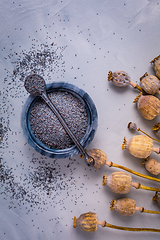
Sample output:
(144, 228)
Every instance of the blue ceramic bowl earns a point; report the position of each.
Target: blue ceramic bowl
(91, 126)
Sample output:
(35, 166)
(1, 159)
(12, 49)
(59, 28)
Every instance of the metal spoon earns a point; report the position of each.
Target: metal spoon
(35, 85)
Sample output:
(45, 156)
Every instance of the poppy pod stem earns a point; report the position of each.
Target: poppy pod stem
(136, 86)
(131, 229)
(121, 182)
(122, 79)
(127, 207)
(101, 159)
(140, 186)
(150, 211)
(88, 222)
(138, 129)
(133, 126)
(111, 164)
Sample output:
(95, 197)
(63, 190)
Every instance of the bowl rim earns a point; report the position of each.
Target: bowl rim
(91, 125)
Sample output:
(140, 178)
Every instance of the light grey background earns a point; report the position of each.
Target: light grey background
(93, 38)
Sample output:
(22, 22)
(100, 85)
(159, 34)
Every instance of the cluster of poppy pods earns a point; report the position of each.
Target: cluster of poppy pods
(139, 146)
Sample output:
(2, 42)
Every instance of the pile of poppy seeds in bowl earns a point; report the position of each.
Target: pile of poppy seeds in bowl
(46, 126)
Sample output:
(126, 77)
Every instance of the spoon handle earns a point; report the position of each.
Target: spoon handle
(88, 159)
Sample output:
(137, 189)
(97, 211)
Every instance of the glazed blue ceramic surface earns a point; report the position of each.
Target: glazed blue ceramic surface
(91, 126)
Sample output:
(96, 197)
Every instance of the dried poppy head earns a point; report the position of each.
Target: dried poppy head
(99, 157)
(121, 182)
(127, 207)
(152, 166)
(86, 222)
(156, 62)
(118, 182)
(150, 84)
(148, 106)
(139, 146)
(119, 78)
(124, 206)
(122, 79)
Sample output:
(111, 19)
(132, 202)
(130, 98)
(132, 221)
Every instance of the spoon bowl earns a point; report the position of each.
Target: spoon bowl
(35, 85)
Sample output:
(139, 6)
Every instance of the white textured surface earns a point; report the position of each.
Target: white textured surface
(95, 36)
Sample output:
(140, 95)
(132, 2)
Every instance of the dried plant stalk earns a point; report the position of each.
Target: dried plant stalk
(127, 207)
(122, 79)
(110, 164)
(152, 165)
(133, 126)
(120, 182)
(101, 159)
(88, 222)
